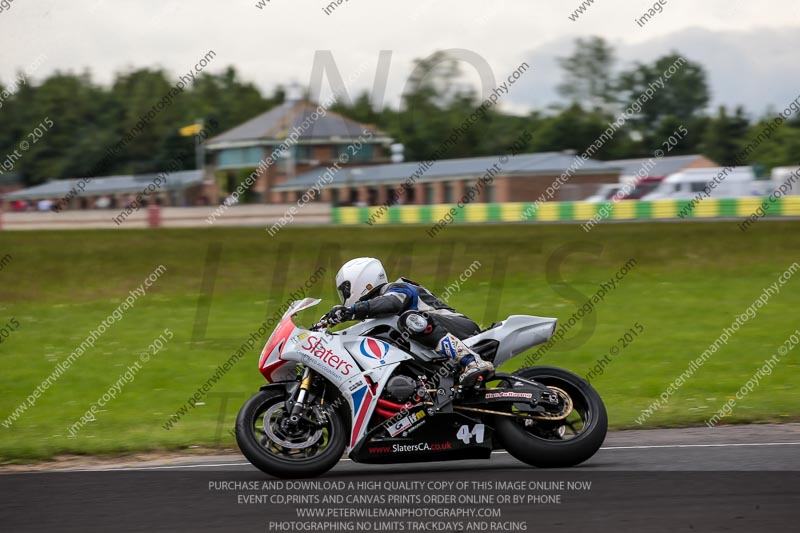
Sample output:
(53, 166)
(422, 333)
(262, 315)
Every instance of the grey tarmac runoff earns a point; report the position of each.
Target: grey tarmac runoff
(727, 478)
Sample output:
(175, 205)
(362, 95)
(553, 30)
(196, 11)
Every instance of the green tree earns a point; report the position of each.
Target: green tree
(76, 108)
(145, 94)
(227, 99)
(725, 135)
(360, 111)
(576, 129)
(89, 119)
(588, 73)
(781, 149)
(683, 95)
(434, 103)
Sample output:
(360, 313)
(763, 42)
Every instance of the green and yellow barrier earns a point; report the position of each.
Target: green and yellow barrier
(565, 211)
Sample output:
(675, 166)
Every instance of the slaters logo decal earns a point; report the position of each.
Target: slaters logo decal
(315, 348)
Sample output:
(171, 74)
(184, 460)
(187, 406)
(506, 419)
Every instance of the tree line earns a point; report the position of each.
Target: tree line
(89, 117)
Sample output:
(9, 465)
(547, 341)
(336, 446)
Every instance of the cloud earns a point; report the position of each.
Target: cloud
(746, 47)
(754, 68)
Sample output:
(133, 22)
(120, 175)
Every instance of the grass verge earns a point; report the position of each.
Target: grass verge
(689, 281)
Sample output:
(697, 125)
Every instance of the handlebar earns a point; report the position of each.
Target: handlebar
(323, 323)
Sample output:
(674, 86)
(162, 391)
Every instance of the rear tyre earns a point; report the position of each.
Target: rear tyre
(286, 451)
(557, 443)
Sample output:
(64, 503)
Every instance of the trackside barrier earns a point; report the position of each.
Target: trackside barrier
(787, 206)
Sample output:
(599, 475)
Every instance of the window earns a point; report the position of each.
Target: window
(698, 186)
(355, 154)
(448, 192)
(302, 152)
(429, 193)
(490, 193)
(410, 196)
(364, 154)
(249, 156)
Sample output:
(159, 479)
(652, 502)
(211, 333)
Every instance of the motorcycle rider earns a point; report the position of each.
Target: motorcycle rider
(365, 293)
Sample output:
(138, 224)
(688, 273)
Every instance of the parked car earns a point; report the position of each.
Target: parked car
(605, 193)
(642, 187)
(629, 189)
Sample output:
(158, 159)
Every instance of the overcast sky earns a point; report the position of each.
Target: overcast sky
(750, 49)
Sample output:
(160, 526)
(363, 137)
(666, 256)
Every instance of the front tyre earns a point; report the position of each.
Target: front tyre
(284, 450)
(557, 443)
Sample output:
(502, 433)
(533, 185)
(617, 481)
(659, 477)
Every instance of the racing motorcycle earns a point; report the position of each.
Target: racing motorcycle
(380, 397)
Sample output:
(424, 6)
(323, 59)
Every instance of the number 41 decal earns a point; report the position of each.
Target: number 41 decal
(465, 435)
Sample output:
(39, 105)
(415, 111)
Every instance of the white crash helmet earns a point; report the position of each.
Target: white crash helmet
(357, 277)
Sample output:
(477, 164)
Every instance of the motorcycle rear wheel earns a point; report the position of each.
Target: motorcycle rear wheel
(557, 443)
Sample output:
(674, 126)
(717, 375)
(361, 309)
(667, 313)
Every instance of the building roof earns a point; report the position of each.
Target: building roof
(547, 163)
(107, 185)
(10, 179)
(663, 167)
(276, 124)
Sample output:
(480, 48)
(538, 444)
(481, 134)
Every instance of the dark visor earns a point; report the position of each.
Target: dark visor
(344, 290)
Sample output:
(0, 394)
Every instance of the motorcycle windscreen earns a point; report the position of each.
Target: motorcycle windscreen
(299, 305)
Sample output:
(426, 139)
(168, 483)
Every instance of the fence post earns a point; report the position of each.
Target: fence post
(154, 215)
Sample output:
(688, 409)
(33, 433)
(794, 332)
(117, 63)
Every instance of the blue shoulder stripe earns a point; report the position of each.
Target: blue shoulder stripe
(408, 290)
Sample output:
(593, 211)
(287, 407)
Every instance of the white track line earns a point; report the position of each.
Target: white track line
(641, 447)
(647, 447)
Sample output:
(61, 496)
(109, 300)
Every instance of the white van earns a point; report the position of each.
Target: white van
(786, 175)
(686, 184)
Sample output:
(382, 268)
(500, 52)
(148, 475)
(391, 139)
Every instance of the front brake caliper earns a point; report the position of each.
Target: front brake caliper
(321, 414)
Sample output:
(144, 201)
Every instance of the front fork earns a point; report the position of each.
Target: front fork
(302, 395)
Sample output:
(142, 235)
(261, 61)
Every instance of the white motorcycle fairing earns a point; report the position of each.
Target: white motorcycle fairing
(516, 334)
(360, 366)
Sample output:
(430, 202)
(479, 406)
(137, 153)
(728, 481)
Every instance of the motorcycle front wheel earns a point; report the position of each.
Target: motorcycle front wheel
(284, 450)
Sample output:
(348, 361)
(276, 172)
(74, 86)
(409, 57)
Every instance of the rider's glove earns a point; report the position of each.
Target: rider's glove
(340, 314)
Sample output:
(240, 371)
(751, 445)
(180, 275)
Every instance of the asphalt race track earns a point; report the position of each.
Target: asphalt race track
(726, 479)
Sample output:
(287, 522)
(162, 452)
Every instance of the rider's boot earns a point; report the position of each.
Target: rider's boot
(474, 368)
